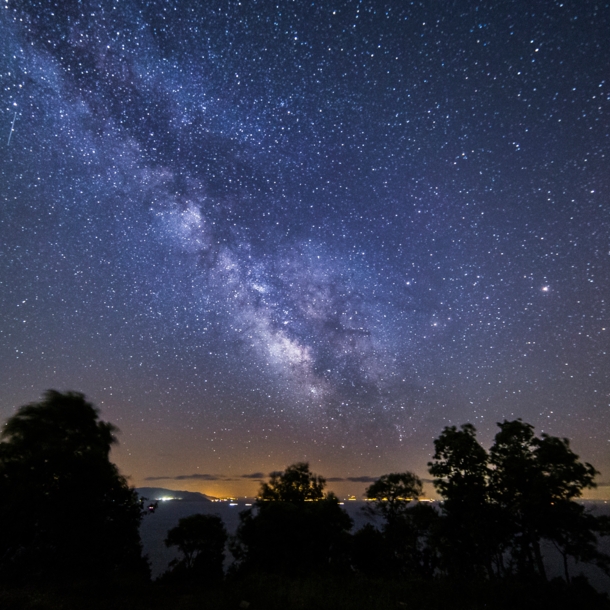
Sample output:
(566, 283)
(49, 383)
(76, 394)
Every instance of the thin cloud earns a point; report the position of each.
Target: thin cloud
(187, 477)
(257, 476)
(362, 479)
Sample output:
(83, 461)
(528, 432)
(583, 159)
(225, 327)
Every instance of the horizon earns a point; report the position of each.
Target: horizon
(246, 487)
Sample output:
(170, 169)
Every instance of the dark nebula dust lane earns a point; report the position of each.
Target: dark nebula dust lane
(260, 232)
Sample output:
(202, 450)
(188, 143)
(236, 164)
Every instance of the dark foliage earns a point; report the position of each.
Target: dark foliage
(201, 539)
(533, 482)
(296, 484)
(294, 527)
(407, 539)
(470, 537)
(392, 494)
(322, 592)
(65, 509)
(500, 506)
(370, 553)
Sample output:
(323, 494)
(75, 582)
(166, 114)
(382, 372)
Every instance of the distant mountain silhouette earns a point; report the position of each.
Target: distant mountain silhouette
(157, 493)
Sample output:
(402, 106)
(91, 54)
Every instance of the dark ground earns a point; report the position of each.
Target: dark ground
(320, 593)
(268, 592)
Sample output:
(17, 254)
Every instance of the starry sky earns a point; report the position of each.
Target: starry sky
(260, 232)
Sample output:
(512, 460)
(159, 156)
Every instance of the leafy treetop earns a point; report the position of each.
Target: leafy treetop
(60, 424)
(460, 465)
(392, 493)
(296, 484)
(70, 510)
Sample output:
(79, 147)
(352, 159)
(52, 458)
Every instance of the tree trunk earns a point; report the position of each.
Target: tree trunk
(539, 561)
(565, 566)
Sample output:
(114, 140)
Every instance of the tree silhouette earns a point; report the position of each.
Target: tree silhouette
(201, 539)
(371, 554)
(392, 493)
(460, 465)
(534, 482)
(408, 530)
(295, 484)
(294, 527)
(469, 536)
(65, 509)
(575, 533)
(506, 502)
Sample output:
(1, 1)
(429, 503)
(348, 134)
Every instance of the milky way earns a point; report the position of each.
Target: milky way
(259, 232)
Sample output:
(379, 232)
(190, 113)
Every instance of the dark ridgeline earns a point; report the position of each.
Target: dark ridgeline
(69, 516)
(154, 494)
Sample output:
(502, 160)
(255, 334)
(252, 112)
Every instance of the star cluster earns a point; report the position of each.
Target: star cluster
(258, 232)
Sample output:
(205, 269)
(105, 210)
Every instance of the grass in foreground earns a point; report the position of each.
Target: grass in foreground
(272, 592)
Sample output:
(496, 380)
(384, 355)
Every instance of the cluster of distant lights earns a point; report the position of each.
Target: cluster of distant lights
(233, 501)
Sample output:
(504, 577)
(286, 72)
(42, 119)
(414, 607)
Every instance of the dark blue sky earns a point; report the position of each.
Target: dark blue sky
(255, 233)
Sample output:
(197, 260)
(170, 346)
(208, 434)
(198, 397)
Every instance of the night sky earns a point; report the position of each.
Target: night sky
(260, 232)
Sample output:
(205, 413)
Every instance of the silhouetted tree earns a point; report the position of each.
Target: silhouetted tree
(470, 534)
(65, 509)
(371, 554)
(409, 526)
(293, 527)
(575, 533)
(534, 482)
(392, 494)
(295, 484)
(506, 502)
(201, 539)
